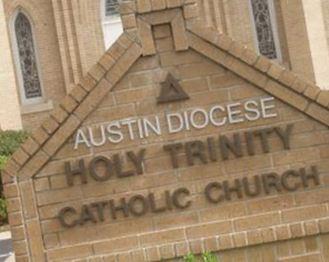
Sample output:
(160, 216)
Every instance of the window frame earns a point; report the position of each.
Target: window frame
(274, 26)
(108, 19)
(19, 76)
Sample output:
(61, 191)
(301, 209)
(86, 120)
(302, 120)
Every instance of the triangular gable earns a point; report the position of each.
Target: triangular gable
(114, 64)
(138, 40)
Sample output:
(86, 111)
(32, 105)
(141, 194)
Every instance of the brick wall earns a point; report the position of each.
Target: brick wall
(135, 95)
(293, 224)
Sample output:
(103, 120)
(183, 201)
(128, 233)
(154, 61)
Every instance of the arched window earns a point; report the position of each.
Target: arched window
(111, 21)
(26, 60)
(264, 20)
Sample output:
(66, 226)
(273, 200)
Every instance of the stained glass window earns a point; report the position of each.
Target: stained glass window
(264, 28)
(27, 57)
(111, 7)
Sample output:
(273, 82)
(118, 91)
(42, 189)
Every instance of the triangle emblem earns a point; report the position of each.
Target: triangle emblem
(171, 91)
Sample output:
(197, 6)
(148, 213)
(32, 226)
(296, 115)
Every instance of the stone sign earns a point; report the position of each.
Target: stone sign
(178, 140)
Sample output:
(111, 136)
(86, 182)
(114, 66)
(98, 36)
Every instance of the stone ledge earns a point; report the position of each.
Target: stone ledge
(37, 108)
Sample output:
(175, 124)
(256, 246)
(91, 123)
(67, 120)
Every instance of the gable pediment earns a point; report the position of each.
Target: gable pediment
(223, 112)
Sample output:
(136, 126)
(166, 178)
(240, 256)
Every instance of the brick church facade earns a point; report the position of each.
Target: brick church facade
(179, 139)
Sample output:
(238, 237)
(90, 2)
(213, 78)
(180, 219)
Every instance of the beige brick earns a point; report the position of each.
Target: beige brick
(144, 6)
(181, 248)
(122, 257)
(50, 240)
(78, 93)
(159, 237)
(275, 71)
(138, 255)
(34, 165)
(179, 34)
(31, 146)
(240, 239)
(263, 64)
(115, 245)
(249, 56)
(59, 114)
(167, 251)
(173, 3)
(282, 232)
(20, 247)
(106, 62)
(35, 238)
(254, 237)
(323, 98)
(40, 135)
(63, 133)
(13, 205)
(87, 83)
(145, 34)
(207, 230)
(287, 78)
(312, 92)
(79, 251)
(158, 4)
(324, 225)
(116, 51)
(127, 7)
(225, 242)
(129, 21)
(268, 234)
(11, 170)
(318, 112)
(210, 51)
(297, 230)
(304, 213)
(92, 101)
(210, 244)
(15, 219)
(257, 221)
(237, 49)
(28, 200)
(41, 184)
(111, 258)
(311, 228)
(97, 72)
(122, 66)
(125, 40)
(50, 125)
(286, 95)
(196, 246)
(20, 156)
(23, 258)
(10, 191)
(69, 104)
(153, 254)
(299, 85)
(17, 233)
(191, 11)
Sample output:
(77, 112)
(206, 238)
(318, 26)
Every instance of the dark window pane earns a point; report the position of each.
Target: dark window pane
(111, 7)
(264, 30)
(27, 57)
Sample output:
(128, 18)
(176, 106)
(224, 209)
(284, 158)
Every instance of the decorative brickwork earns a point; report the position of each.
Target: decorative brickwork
(40, 181)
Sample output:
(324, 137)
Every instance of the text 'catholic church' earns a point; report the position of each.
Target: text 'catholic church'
(201, 127)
